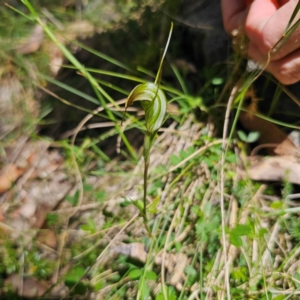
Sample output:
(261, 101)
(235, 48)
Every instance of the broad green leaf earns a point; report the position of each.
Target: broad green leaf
(190, 270)
(242, 135)
(135, 273)
(175, 159)
(235, 240)
(253, 136)
(74, 275)
(151, 275)
(217, 81)
(262, 232)
(241, 230)
(171, 294)
(191, 273)
(277, 205)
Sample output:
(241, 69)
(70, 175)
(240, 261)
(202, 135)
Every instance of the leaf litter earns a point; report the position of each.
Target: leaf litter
(185, 197)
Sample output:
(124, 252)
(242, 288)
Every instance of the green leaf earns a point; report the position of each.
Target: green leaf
(190, 271)
(239, 274)
(217, 81)
(153, 207)
(242, 135)
(277, 205)
(73, 276)
(253, 136)
(145, 292)
(297, 277)
(171, 294)
(69, 88)
(267, 297)
(175, 160)
(235, 240)
(139, 204)
(231, 158)
(151, 275)
(135, 273)
(100, 196)
(262, 232)
(52, 218)
(87, 187)
(195, 209)
(73, 199)
(192, 274)
(241, 230)
(90, 226)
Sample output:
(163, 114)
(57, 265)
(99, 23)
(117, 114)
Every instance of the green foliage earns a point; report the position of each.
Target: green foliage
(154, 103)
(171, 294)
(182, 155)
(250, 138)
(237, 232)
(185, 212)
(192, 275)
(135, 273)
(90, 226)
(52, 219)
(9, 258)
(72, 281)
(73, 199)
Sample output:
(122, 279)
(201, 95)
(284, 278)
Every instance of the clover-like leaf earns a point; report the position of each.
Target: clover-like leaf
(153, 101)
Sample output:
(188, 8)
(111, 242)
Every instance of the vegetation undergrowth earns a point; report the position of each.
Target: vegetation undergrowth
(247, 249)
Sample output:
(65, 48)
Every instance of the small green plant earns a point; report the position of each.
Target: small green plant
(154, 103)
(250, 138)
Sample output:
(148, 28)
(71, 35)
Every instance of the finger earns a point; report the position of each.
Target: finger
(259, 14)
(265, 26)
(286, 70)
(234, 14)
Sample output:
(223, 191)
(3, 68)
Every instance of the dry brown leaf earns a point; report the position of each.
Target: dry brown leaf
(27, 210)
(275, 140)
(9, 175)
(29, 288)
(275, 168)
(41, 213)
(47, 237)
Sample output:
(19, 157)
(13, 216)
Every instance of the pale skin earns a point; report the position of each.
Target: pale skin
(264, 22)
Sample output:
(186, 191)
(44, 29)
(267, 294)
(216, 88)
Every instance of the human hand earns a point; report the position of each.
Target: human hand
(264, 22)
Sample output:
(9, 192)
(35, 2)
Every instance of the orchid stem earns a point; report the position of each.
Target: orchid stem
(148, 142)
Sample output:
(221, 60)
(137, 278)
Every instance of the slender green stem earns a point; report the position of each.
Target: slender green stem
(146, 154)
(145, 194)
(148, 142)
